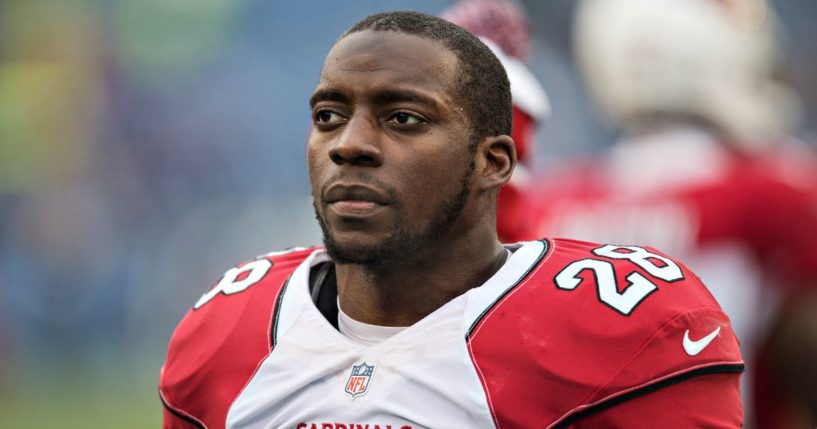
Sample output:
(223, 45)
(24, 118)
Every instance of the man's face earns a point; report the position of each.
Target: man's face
(388, 154)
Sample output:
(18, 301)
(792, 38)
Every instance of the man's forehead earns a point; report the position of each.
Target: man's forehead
(369, 51)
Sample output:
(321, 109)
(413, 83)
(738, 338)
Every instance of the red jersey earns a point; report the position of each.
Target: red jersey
(565, 334)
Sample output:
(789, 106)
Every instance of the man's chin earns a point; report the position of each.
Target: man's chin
(357, 255)
(355, 250)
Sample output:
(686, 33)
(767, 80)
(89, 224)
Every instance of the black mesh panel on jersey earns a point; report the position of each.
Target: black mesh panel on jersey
(323, 287)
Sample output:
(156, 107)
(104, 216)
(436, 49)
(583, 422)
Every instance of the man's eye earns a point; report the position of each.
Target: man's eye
(327, 117)
(404, 118)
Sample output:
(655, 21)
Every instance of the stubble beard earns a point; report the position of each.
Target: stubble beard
(402, 241)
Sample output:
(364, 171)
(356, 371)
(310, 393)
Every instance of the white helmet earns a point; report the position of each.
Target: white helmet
(707, 59)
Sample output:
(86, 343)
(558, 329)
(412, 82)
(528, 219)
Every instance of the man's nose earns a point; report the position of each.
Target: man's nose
(358, 144)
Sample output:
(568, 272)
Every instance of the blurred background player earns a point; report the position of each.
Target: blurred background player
(503, 26)
(701, 168)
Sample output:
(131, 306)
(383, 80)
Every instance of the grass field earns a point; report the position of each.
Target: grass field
(81, 400)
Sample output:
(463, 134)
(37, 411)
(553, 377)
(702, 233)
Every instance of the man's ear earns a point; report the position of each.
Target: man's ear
(498, 156)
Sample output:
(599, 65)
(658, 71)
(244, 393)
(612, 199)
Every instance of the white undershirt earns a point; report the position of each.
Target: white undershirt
(366, 334)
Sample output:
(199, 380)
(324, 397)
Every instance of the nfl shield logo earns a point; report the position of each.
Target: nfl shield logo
(358, 382)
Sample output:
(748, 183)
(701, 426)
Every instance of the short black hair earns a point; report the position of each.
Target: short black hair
(482, 85)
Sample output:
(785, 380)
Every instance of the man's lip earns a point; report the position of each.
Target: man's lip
(354, 194)
(355, 208)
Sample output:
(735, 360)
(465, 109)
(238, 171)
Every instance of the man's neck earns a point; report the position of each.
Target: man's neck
(403, 292)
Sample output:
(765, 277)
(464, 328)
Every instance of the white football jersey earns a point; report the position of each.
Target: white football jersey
(539, 344)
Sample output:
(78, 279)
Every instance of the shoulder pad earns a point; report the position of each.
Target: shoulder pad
(594, 322)
(221, 340)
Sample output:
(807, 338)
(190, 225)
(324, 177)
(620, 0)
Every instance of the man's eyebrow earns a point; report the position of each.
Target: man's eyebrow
(399, 96)
(327, 95)
(388, 96)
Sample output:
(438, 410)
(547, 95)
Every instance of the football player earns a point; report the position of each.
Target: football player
(414, 315)
(700, 169)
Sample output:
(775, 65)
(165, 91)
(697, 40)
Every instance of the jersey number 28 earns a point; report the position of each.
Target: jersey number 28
(639, 286)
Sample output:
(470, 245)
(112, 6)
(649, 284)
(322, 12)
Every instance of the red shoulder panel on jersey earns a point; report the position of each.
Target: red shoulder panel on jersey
(220, 342)
(596, 324)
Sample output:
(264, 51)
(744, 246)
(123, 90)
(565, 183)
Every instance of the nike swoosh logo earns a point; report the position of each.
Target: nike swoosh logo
(694, 347)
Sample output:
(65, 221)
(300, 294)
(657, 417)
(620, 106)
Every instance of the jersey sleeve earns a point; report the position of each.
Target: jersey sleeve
(694, 352)
(710, 401)
(175, 419)
(171, 421)
(221, 340)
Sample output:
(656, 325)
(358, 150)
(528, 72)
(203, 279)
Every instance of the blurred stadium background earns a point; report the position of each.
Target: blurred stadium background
(148, 145)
